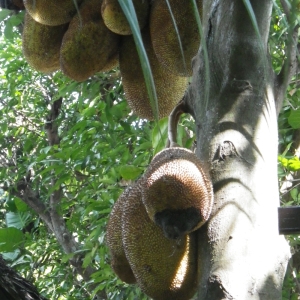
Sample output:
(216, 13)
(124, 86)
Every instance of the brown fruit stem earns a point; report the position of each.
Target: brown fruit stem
(174, 116)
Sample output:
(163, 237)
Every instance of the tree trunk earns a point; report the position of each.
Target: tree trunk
(241, 253)
(15, 287)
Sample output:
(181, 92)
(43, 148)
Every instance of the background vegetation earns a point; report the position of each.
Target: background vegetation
(102, 148)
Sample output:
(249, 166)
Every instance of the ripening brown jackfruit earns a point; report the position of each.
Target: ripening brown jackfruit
(165, 38)
(115, 19)
(41, 44)
(169, 87)
(165, 269)
(119, 262)
(176, 191)
(88, 46)
(52, 12)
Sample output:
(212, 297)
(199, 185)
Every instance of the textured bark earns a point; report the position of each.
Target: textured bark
(15, 287)
(242, 255)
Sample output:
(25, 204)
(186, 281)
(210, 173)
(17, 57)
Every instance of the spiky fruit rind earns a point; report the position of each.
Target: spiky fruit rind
(52, 12)
(164, 269)
(119, 262)
(169, 87)
(88, 46)
(41, 44)
(176, 186)
(164, 34)
(115, 19)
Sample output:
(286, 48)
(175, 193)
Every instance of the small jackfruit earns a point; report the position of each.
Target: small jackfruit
(115, 19)
(169, 87)
(176, 191)
(88, 46)
(119, 262)
(41, 44)
(52, 12)
(165, 269)
(164, 34)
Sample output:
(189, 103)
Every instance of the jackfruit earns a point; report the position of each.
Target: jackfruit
(41, 44)
(119, 262)
(177, 192)
(52, 12)
(165, 38)
(165, 269)
(115, 19)
(169, 87)
(88, 46)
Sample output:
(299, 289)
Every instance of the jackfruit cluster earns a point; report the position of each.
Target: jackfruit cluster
(169, 87)
(163, 268)
(97, 37)
(151, 232)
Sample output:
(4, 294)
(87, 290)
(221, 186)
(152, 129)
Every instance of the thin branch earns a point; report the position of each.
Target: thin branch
(290, 66)
(174, 116)
(32, 199)
(286, 8)
(63, 235)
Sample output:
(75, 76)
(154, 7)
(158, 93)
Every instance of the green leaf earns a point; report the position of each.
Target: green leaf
(160, 135)
(67, 257)
(10, 239)
(130, 172)
(284, 161)
(87, 259)
(294, 164)
(89, 111)
(4, 13)
(126, 127)
(17, 219)
(294, 119)
(144, 146)
(129, 11)
(21, 205)
(17, 19)
(8, 31)
(294, 194)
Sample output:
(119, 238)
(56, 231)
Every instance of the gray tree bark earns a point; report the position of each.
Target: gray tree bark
(241, 253)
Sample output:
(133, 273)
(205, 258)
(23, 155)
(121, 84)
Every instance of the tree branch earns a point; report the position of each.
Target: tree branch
(174, 116)
(32, 199)
(62, 234)
(286, 8)
(15, 287)
(290, 66)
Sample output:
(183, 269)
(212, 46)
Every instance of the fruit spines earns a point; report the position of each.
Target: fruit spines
(119, 262)
(177, 192)
(165, 269)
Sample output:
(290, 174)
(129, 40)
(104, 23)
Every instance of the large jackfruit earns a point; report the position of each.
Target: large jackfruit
(52, 12)
(119, 262)
(177, 193)
(41, 44)
(115, 19)
(164, 34)
(165, 269)
(88, 46)
(169, 87)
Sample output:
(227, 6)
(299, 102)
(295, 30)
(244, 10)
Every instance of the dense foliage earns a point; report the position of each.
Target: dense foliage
(102, 147)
